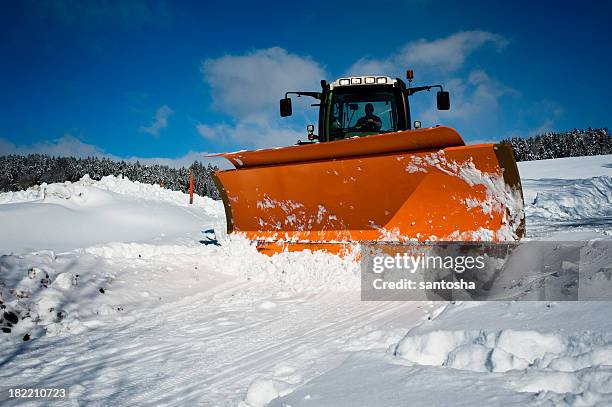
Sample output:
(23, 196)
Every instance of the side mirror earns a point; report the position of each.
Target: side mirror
(443, 100)
(285, 107)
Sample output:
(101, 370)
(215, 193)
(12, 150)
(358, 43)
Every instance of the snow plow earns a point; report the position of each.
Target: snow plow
(370, 175)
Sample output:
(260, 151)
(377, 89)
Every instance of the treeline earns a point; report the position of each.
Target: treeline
(573, 143)
(19, 172)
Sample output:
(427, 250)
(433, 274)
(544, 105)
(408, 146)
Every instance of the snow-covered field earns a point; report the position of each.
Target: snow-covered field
(121, 295)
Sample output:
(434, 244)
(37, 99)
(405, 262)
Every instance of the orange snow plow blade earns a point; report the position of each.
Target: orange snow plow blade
(416, 185)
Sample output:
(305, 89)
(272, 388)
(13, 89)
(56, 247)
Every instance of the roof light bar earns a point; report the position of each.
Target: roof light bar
(363, 80)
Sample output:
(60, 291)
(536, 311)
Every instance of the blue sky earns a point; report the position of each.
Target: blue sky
(162, 79)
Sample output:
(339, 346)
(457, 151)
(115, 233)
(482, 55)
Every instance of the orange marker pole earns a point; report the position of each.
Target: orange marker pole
(191, 186)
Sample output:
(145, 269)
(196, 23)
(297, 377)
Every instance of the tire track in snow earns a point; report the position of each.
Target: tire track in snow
(331, 322)
(267, 360)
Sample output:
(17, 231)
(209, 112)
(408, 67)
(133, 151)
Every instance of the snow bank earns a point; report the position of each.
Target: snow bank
(66, 216)
(567, 168)
(543, 359)
(497, 351)
(502, 353)
(568, 194)
(118, 185)
(558, 204)
(293, 271)
(578, 200)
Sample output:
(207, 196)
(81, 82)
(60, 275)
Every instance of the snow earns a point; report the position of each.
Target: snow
(568, 194)
(557, 204)
(67, 216)
(513, 352)
(567, 168)
(127, 297)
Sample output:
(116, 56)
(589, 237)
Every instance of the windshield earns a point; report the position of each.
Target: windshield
(359, 114)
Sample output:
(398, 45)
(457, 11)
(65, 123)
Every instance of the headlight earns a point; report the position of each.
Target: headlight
(345, 81)
(356, 81)
(369, 79)
(381, 79)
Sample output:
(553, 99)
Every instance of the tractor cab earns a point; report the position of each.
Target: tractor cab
(360, 109)
(361, 106)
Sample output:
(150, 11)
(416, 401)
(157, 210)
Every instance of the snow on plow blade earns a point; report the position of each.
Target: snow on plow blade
(417, 185)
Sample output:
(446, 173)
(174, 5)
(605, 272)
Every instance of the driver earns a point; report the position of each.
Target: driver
(370, 121)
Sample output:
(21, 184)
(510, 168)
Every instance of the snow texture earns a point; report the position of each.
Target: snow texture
(120, 291)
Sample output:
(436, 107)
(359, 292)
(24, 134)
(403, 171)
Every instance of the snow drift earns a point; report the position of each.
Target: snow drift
(66, 216)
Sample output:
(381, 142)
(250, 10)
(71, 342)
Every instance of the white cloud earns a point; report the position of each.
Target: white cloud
(159, 122)
(444, 54)
(248, 87)
(256, 131)
(450, 52)
(254, 82)
(216, 132)
(65, 146)
(475, 99)
(70, 146)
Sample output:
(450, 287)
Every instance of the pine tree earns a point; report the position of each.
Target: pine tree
(573, 143)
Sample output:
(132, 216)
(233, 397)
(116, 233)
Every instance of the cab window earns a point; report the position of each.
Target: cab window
(360, 114)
